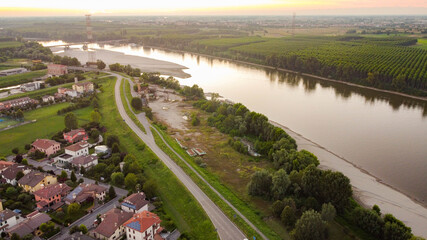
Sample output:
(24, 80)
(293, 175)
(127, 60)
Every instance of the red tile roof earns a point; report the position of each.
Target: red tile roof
(44, 143)
(142, 221)
(137, 200)
(77, 146)
(53, 190)
(5, 164)
(74, 132)
(112, 220)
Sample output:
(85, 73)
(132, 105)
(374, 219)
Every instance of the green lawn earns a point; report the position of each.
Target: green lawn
(184, 210)
(127, 108)
(17, 79)
(48, 123)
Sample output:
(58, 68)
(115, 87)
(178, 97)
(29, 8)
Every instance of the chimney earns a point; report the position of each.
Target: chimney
(75, 80)
(74, 196)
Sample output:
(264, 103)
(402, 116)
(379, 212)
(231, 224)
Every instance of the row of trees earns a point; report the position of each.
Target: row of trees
(155, 78)
(133, 72)
(66, 78)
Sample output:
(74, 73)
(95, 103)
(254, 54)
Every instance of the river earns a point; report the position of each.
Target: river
(384, 134)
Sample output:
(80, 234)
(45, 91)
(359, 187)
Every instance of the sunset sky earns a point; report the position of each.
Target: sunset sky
(210, 7)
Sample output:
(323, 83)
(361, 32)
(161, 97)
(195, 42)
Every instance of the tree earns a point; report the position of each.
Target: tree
(117, 178)
(71, 121)
(11, 191)
(111, 192)
(281, 183)
(111, 139)
(19, 175)
(115, 148)
(392, 231)
(95, 117)
(73, 208)
(19, 114)
(288, 216)
(15, 236)
(136, 103)
(73, 177)
(328, 212)
(94, 135)
(309, 227)
(277, 208)
(100, 64)
(260, 184)
(369, 221)
(376, 209)
(83, 228)
(64, 175)
(82, 170)
(24, 161)
(130, 181)
(27, 146)
(15, 150)
(18, 158)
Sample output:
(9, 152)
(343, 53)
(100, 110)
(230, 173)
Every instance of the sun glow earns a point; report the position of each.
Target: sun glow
(78, 7)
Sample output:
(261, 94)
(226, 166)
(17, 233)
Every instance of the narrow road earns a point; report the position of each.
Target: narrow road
(226, 229)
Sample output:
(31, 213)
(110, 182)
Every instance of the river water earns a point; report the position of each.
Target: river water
(382, 133)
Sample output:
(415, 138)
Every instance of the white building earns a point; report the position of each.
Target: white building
(78, 149)
(85, 161)
(143, 226)
(48, 98)
(8, 219)
(28, 87)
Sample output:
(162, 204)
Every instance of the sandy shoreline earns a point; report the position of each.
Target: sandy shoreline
(368, 189)
(143, 63)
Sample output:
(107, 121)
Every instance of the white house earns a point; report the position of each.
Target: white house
(9, 174)
(135, 203)
(78, 149)
(48, 98)
(143, 226)
(85, 161)
(111, 227)
(8, 219)
(28, 87)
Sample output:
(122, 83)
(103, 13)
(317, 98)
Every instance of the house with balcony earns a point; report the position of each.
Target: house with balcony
(143, 226)
(50, 195)
(8, 219)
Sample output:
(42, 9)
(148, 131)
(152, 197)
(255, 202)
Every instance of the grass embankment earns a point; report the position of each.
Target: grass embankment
(14, 63)
(48, 123)
(177, 201)
(127, 109)
(129, 96)
(21, 78)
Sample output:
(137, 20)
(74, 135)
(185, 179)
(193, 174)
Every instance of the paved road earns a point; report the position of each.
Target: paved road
(227, 230)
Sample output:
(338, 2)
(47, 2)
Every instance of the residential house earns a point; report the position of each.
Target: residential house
(30, 225)
(111, 227)
(67, 91)
(12, 71)
(84, 192)
(5, 164)
(76, 135)
(32, 86)
(47, 98)
(64, 159)
(9, 174)
(135, 203)
(47, 146)
(17, 103)
(34, 181)
(8, 219)
(83, 87)
(78, 149)
(85, 161)
(56, 69)
(143, 226)
(49, 195)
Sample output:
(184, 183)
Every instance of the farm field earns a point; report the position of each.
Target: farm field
(10, 44)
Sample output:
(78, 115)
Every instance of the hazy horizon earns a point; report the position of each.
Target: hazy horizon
(29, 8)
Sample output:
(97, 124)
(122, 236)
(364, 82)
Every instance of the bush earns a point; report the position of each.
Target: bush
(136, 103)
